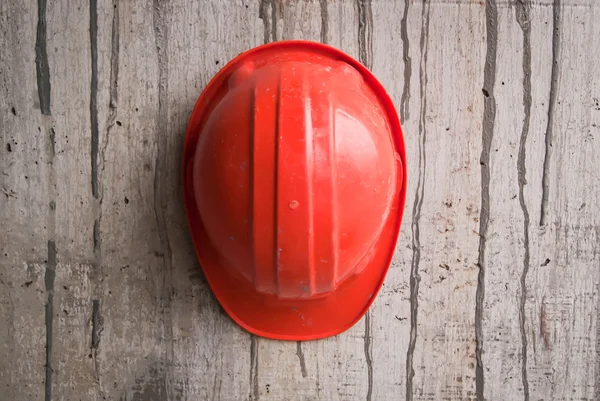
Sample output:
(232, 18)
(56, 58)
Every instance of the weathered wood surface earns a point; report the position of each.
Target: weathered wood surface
(493, 293)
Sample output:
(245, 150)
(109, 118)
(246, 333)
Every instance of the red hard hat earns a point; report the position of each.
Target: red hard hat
(294, 185)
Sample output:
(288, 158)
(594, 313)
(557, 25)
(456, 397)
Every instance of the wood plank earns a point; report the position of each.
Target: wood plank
(510, 216)
(129, 313)
(562, 282)
(68, 41)
(396, 64)
(27, 238)
(448, 219)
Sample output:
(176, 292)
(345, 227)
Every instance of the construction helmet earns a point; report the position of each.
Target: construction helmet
(294, 173)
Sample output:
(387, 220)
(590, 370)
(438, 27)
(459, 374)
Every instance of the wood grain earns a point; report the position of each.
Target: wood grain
(493, 293)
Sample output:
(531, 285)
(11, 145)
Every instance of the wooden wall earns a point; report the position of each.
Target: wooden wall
(493, 291)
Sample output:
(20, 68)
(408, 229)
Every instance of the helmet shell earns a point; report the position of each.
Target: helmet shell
(294, 184)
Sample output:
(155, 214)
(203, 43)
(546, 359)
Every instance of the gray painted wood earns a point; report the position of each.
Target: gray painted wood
(493, 290)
